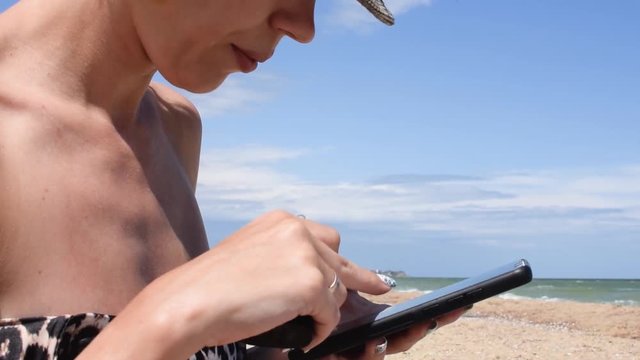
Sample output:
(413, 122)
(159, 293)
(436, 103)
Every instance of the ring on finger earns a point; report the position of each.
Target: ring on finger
(382, 347)
(335, 283)
(432, 327)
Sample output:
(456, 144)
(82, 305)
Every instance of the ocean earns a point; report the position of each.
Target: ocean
(611, 291)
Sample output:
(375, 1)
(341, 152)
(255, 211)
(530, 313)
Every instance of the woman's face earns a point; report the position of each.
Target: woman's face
(195, 44)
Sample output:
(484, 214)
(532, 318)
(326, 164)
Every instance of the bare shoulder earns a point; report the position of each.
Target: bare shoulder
(182, 125)
(175, 102)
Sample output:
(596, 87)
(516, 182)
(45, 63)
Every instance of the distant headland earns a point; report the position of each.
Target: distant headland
(391, 273)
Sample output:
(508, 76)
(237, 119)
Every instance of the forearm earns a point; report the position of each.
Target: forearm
(141, 332)
(156, 325)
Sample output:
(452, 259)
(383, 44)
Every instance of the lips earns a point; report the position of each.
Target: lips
(246, 62)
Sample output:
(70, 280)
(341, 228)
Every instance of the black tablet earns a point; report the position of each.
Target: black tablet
(402, 316)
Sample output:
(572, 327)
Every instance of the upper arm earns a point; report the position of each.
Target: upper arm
(183, 126)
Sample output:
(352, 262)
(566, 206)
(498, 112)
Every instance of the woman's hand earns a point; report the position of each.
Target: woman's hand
(272, 270)
(356, 306)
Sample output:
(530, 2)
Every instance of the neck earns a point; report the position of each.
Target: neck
(86, 51)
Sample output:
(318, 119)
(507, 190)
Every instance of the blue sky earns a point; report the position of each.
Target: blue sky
(469, 134)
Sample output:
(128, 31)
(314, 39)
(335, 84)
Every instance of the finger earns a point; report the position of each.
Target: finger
(351, 354)
(405, 339)
(326, 316)
(376, 349)
(371, 350)
(327, 311)
(353, 276)
(326, 234)
(338, 289)
(451, 316)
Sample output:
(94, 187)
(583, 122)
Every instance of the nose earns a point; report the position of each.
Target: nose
(296, 20)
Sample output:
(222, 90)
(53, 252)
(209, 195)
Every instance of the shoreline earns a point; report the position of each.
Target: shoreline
(513, 297)
(530, 329)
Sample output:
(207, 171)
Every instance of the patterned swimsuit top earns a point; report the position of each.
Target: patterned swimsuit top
(64, 337)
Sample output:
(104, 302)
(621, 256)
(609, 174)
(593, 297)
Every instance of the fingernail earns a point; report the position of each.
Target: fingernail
(387, 280)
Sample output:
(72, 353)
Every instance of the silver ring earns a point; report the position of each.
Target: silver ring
(301, 216)
(381, 348)
(335, 283)
(432, 327)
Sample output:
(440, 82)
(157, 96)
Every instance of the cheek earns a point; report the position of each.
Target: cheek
(200, 70)
(192, 50)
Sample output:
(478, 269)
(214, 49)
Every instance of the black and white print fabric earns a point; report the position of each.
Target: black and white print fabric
(64, 337)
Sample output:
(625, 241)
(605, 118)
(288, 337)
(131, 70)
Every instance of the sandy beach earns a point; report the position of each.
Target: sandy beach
(531, 329)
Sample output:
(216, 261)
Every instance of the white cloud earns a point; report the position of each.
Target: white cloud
(403, 6)
(241, 183)
(350, 14)
(236, 93)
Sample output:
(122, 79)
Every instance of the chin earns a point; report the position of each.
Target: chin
(196, 84)
(201, 88)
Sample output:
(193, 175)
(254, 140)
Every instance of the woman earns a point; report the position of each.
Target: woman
(98, 168)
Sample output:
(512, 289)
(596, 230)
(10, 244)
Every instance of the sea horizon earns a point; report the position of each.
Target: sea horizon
(607, 291)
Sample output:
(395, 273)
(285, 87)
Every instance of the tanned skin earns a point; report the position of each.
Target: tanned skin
(98, 169)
